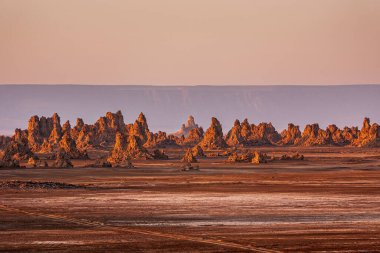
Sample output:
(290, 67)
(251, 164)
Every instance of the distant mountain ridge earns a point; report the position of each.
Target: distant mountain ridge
(168, 107)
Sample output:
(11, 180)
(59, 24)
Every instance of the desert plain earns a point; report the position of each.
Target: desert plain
(328, 202)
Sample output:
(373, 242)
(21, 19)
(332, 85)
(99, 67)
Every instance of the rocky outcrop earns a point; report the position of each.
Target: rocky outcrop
(46, 135)
(244, 157)
(189, 167)
(332, 136)
(9, 163)
(234, 137)
(160, 155)
(86, 138)
(350, 134)
(189, 157)
(312, 136)
(68, 145)
(161, 140)
(335, 136)
(46, 147)
(62, 160)
(14, 163)
(197, 151)
(17, 149)
(245, 131)
(140, 129)
(35, 162)
(194, 137)
(186, 128)
(290, 135)
(295, 157)
(255, 157)
(4, 140)
(369, 135)
(213, 138)
(118, 156)
(125, 149)
(101, 163)
(77, 128)
(234, 157)
(66, 128)
(263, 134)
(259, 157)
(44, 129)
(135, 149)
(35, 137)
(105, 129)
(56, 132)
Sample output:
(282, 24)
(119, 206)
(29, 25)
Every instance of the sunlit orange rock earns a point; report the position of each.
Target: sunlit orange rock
(234, 137)
(369, 135)
(213, 138)
(189, 157)
(290, 135)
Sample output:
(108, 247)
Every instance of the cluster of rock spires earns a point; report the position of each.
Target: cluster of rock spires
(244, 134)
(46, 135)
(257, 157)
(186, 128)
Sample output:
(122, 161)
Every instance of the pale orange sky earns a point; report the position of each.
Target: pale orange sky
(178, 42)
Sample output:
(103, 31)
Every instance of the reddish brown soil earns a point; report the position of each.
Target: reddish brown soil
(329, 202)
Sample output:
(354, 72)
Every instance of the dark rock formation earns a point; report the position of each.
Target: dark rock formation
(189, 167)
(4, 140)
(62, 160)
(160, 155)
(102, 163)
(350, 134)
(35, 162)
(335, 136)
(9, 163)
(294, 157)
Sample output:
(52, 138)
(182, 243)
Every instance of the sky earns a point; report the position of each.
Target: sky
(197, 42)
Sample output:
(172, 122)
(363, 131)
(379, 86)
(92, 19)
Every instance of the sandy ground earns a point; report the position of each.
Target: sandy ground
(329, 202)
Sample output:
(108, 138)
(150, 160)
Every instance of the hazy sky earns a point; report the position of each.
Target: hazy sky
(190, 42)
